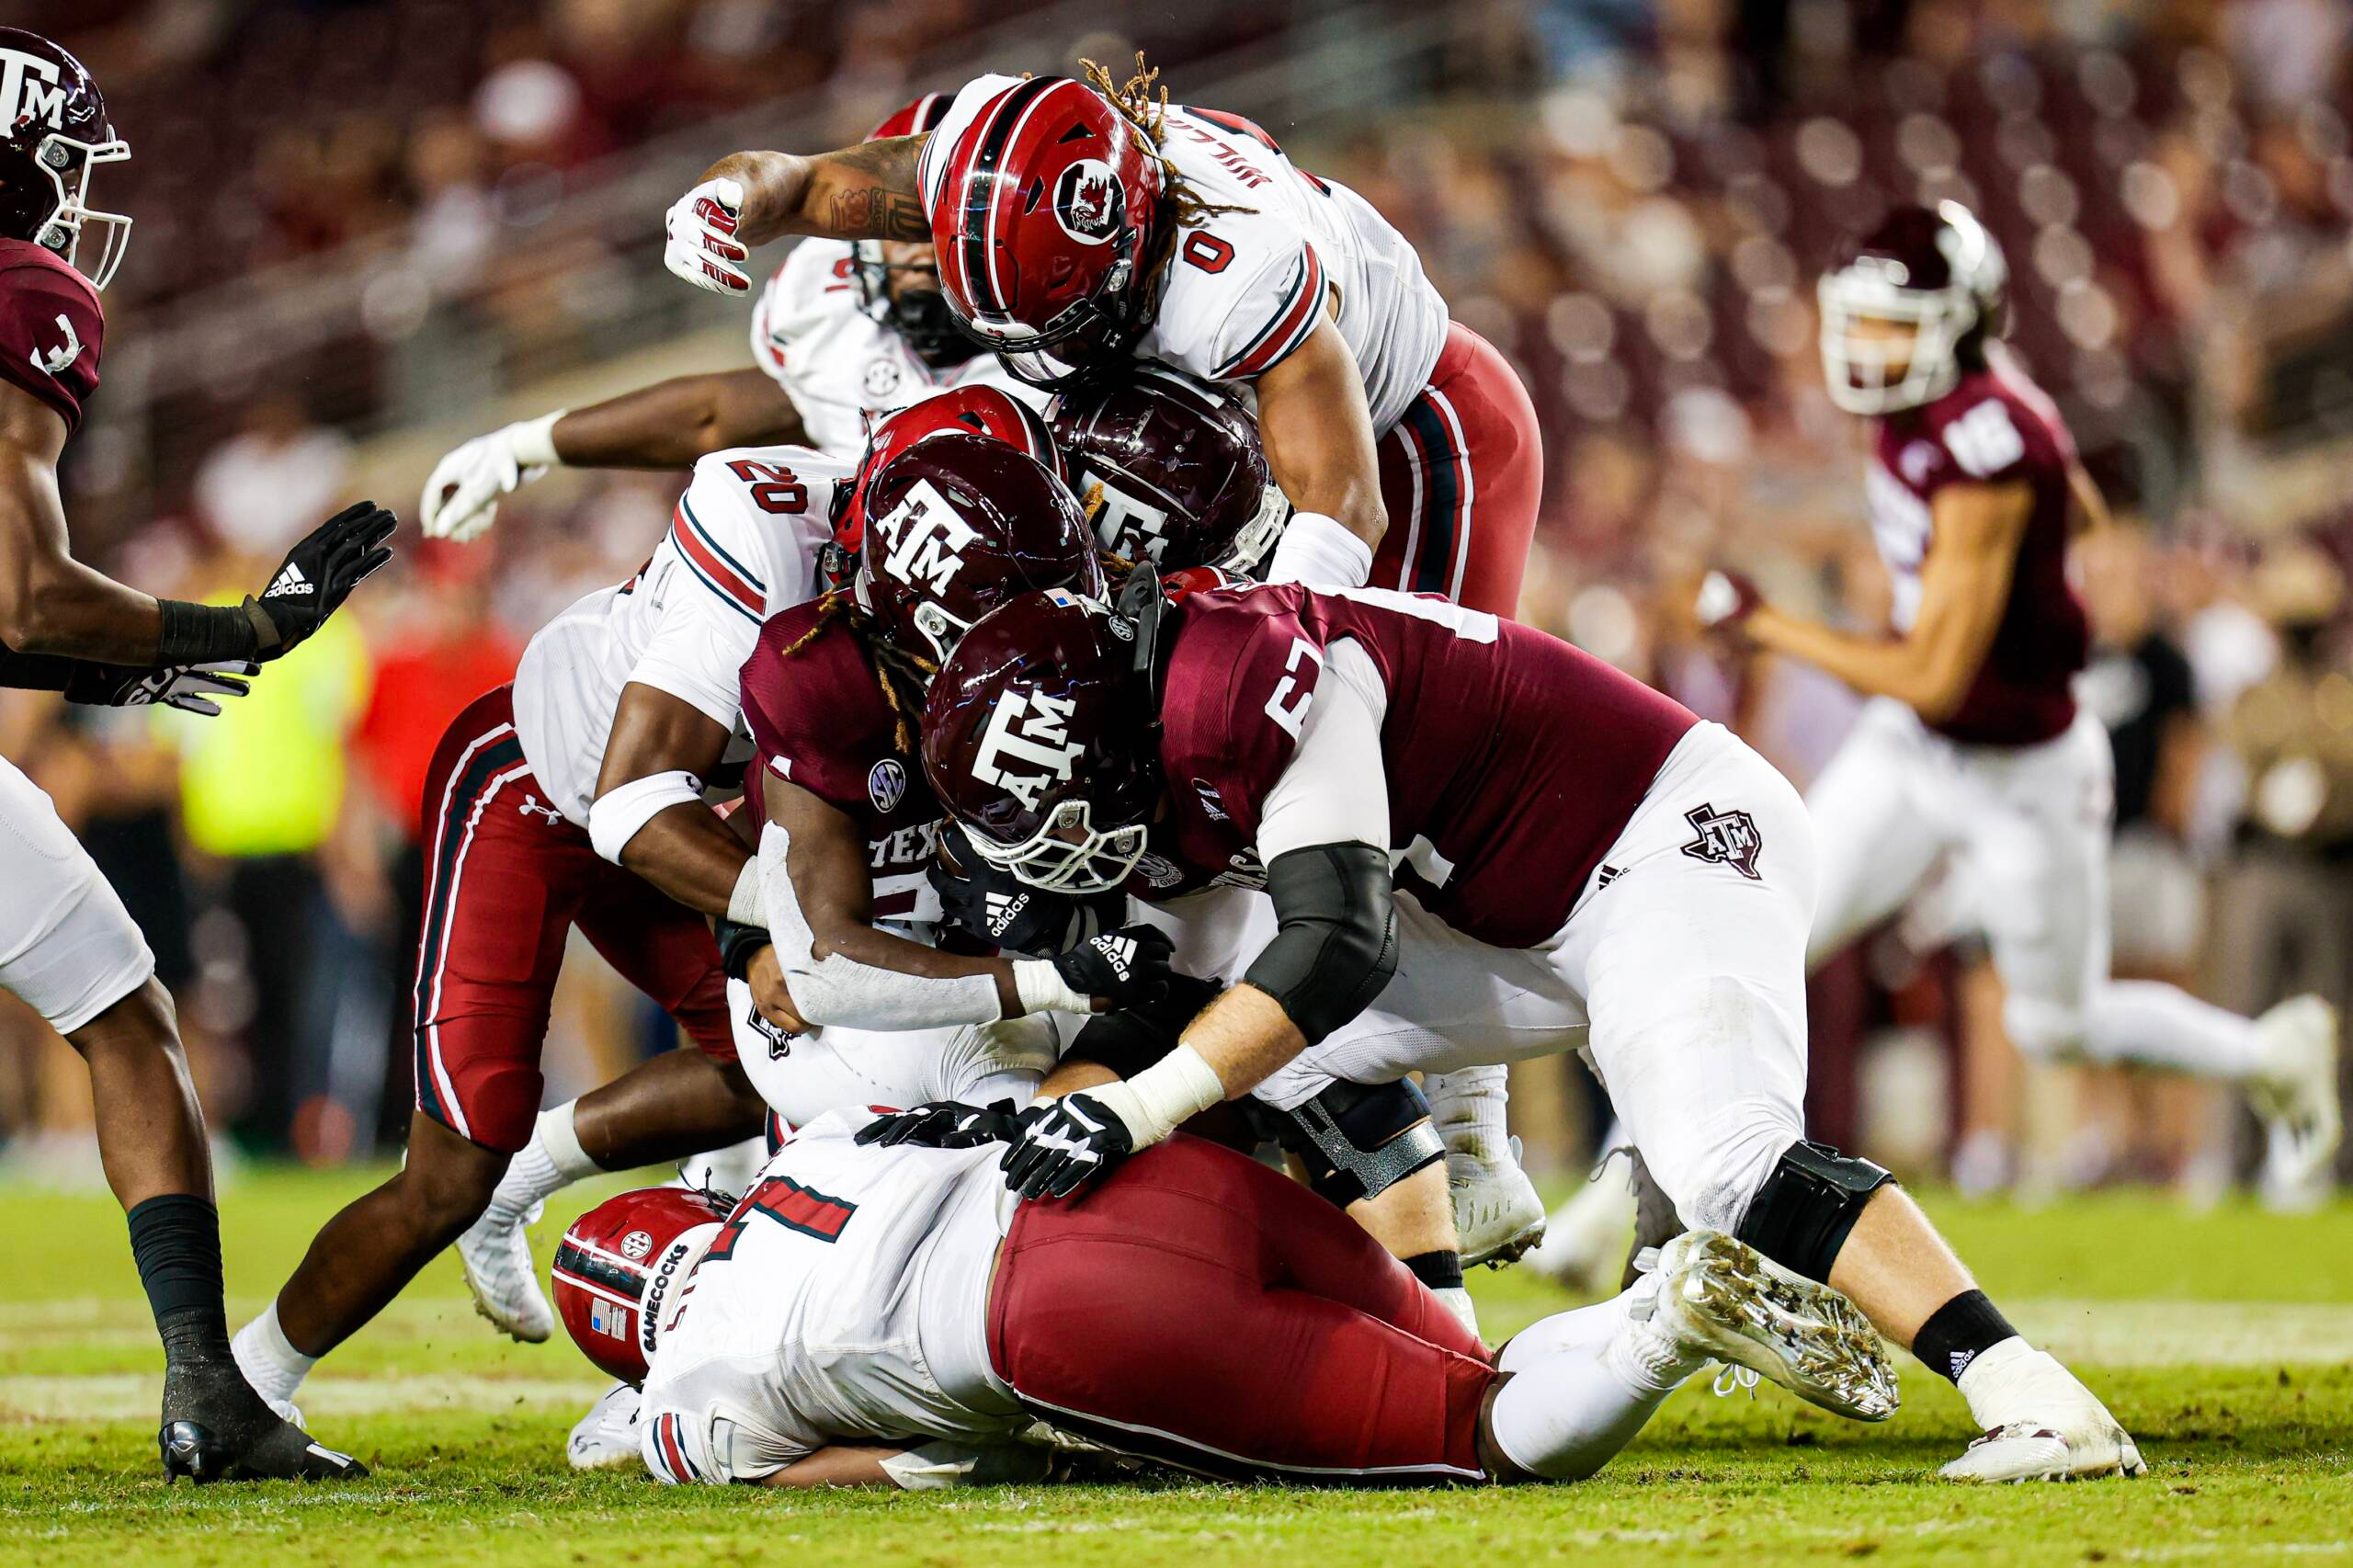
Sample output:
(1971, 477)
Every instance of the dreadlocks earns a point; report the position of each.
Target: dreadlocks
(902, 675)
(1148, 112)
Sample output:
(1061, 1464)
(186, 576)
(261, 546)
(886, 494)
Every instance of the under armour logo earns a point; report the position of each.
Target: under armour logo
(56, 359)
(1726, 838)
(531, 808)
(289, 580)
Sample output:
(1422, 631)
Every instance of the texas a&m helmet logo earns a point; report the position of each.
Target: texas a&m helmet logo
(924, 537)
(1088, 202)
(1726, 838)
(1130, 527)
(1027, 747)
(32, 91)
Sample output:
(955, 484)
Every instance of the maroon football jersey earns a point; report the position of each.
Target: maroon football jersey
(52, 328)
(820, 720)
(1995, 427)
(1517, 757)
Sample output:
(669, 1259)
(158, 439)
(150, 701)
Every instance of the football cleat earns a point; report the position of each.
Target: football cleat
(1497, 1216)
(216, 1428)
(2295, 1094)
(496, 1251)
(606, 1439)
(1721, 1299)
(1584, 1239)
(2041, 1424)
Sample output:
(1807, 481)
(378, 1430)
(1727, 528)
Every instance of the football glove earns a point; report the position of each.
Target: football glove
(191, 688)
(701, 246)
(1129, 967)
(317, 575)
(1063, 1145)
(1725, 599)
(944, 1124)
(460, 499)
(997, 907)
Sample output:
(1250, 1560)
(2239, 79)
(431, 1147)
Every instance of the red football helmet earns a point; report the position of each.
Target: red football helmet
(1043, 213)
(918, 312)
(1176, 463)
(53, 131)
(959, 523)
(620, 1262)
(1038, 737)
(974, 410)
(1935, 270)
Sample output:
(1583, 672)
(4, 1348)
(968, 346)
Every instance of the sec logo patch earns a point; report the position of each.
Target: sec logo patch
(636, 1245)
(882, 379)
(886, 784)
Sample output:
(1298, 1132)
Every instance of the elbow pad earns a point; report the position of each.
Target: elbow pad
(1335, 935)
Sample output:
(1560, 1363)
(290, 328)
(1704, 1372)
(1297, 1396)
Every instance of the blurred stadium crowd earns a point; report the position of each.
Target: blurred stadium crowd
(1630, 197)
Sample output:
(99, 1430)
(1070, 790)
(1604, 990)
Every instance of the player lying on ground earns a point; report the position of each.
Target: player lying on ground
(1973, 745)
(846, 332)
(1581, 862)
(1082, 226)
(875, 1315)
(71, 951)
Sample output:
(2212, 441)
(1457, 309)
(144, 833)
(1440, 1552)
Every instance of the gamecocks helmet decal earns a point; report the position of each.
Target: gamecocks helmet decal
(621, 1264)
(1037, 737)
(972, 409)
(1170, 469)
(957, 525)
(1936, 269)
(53, 131)
(1042, 212)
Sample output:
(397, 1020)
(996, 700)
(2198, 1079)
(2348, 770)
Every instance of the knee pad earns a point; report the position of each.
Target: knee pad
(1357, 1140)
(2048, 1031)
(1800, 1218)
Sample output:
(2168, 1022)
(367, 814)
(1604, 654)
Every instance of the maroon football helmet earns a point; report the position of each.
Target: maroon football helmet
(617, 1265)
(1934, 269)
(53, 131)
(957, 525)
(1175, 462)
(975, 410)
(1043, 210)
(1038, 737)
(918, 312)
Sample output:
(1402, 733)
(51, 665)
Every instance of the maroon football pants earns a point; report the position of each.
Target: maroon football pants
(1201, 1310)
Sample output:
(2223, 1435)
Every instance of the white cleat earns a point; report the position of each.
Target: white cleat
(2044, 1424)
(2295, 1094)
(606, 1439)
(497, 1251)
(1497, 1215)
(1585, 1239)
(1721, 1298)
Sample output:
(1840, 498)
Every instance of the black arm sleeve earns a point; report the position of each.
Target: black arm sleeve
(36, 672)
(1335, 935)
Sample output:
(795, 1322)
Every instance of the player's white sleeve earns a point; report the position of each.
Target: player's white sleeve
(930, 167)
(1335, 788)
(688, 1442)
(1263, 301)
(803, 295)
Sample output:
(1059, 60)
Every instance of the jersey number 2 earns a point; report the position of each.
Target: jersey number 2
(774, 489)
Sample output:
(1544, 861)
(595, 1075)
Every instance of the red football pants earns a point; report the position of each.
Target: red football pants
(1204, 1311)
(505, 877)
(1461, 474)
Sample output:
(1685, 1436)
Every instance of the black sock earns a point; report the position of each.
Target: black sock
(1439, 1270)
(176, 1240)
(1956, 1332)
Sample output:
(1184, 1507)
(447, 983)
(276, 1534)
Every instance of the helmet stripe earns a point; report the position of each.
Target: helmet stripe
(986, 140)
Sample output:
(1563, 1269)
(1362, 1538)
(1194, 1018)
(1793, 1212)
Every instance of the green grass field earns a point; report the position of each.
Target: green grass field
(2224, 1341)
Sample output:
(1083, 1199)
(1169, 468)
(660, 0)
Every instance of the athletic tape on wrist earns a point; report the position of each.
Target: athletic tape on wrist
(1164, 1096)
(1317, 552)
(618, 813)
(744, 905)
(1041, 989)
(203, 634)
(532, 442)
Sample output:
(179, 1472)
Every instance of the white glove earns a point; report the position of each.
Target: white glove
(460, 499)
(702, 247)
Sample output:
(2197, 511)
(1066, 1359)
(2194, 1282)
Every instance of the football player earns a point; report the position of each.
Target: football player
(1973, 744)
(1581, 864)
(575, 797)
(71, 952)
(863, 1316)
(846, 332)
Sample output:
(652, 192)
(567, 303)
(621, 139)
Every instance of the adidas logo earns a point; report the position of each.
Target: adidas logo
(1120, 952)
(1002, 910)
(289, 580)
(1960, 1361)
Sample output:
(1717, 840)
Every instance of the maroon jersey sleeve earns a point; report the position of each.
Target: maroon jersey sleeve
(1238, 690)
(51, 329)
(1993, 429)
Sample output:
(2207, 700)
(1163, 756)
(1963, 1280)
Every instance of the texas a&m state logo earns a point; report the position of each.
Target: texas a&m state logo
(1028, 731)
(1726, 838)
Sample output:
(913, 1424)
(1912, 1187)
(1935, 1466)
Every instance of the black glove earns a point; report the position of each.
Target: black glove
(1132, 1039)
(1129, 967)
(192, 689)
(318, 574)
(999, 908)
(1065, 1144)
(738, 945)
(944, 1124)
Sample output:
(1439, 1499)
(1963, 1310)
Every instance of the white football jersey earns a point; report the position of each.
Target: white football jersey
(742, 545)
(846, 1299)
(1248, 287)
(840, 366)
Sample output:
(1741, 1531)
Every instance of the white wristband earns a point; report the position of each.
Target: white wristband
(1317, 552)
(1164, 1096)
(532, 442)
(744, 905)
(618, 812)
(1041, 989)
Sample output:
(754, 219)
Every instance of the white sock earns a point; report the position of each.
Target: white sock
(1467, 1107)
(268, 1359)
(551, 1161)
(2156, 1025)
(1583, 1383)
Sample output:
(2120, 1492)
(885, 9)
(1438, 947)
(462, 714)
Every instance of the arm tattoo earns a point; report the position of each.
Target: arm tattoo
(875, 213)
